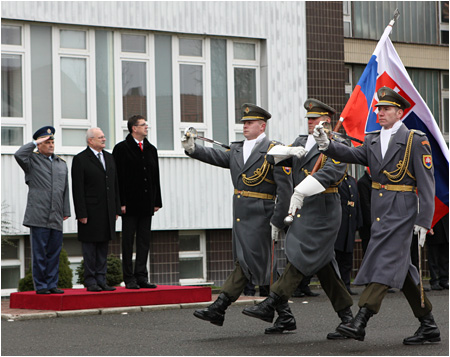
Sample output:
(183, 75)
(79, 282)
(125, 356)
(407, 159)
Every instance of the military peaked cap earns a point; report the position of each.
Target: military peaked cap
(389, 97)
(253, 112)
(315, 108)
(44, 131)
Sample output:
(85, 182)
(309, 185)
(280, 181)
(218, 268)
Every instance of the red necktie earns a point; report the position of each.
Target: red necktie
(140, 145)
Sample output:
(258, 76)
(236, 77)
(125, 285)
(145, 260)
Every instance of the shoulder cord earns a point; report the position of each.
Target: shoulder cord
(402, 166)
(322, 164)
(259, 175)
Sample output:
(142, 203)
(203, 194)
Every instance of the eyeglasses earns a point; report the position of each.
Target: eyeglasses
(143, 124)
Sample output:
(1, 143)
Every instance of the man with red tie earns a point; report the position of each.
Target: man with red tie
(140, 197)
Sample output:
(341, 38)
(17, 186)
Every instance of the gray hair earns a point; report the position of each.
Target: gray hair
(90, 133)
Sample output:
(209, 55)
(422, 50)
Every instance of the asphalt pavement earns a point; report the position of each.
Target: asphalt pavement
(175, 332)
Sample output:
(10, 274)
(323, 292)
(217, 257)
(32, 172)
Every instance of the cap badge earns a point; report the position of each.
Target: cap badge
(246, 110)
(383, 94)
(49, 131)
(310, 105)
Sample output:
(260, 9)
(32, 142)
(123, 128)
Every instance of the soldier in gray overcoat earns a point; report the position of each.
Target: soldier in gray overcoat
(260, 203)
(400, 162)
(310, 239)
(48, 206)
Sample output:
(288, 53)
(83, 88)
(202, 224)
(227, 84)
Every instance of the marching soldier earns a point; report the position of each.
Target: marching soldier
(260, 203)
(400, 162)
(310, 239)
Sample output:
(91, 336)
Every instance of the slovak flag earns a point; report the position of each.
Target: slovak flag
(360, 114)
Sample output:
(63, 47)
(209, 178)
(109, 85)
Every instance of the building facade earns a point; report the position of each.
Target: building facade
(76, 65)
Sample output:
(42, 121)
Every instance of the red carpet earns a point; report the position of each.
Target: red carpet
(78, 299)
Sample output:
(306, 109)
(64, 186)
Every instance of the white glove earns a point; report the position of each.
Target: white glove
(422, 232)
(281, 152)
(188, 143)
(275, 232)
(308, 187)
(320, 137)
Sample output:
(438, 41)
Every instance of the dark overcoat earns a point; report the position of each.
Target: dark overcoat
(365, 200)
(310, 239)
(252, 216)
(95, 196)
(394, 213)
(351, 215)
(138, 173)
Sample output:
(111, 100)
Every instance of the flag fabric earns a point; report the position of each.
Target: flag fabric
(360, 114)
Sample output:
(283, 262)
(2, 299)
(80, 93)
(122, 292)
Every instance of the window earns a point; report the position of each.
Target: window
(13, 265)
(445, 105)
(246, 80)
(13, 87)
(443, 23)
(73, 248)
(347, 18)
(74, 93)
(192, 257)
(370, 18)
(135, 79)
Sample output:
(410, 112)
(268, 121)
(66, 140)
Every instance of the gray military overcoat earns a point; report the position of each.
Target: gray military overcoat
(388, 259)
(311, 237)
(48, 188)
(252, 216)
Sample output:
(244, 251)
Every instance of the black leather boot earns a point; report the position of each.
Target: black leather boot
(265, 310)
(215, 313)
(346, 316)
(284, 322)
(356, 328)
(427, 332)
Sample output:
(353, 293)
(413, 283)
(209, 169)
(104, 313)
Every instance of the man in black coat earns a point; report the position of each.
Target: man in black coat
(351, 221)
(95, 192)
(140, 198)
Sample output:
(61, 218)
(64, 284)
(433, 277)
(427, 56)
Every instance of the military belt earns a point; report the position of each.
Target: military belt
(399, 188)
(331, 190)
(264, 196)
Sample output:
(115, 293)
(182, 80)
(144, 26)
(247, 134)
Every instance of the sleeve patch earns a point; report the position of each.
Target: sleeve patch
(425, 142)
(287, 170)
(427, 161)
(336, 162)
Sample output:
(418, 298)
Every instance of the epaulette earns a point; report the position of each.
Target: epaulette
(418, 132)
(35, 152)
(237, 142)
(60, 158)
(336, 137)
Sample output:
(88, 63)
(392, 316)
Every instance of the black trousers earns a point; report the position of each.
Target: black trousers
(139, 227)
(345, 264)
(438, 263)
(95, 262)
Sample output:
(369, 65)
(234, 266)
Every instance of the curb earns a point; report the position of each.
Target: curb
(117, 310)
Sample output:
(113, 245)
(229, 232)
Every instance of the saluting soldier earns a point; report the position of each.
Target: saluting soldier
(260, 203)
(400, 162)
(48, 205)
(310, 239)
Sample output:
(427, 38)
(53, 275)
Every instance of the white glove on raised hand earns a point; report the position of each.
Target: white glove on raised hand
(308, 187)
(275, 232)
(422, 233)
(320, 137)
(188, 143)
(281, 152)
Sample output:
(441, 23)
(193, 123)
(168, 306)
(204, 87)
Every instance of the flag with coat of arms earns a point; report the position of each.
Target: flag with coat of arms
(360, 114)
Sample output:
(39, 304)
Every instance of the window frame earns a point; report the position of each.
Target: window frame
(444, 93)
(235, 130)
(15, 262)
(195, 254)
(148, 58)
(22, 50)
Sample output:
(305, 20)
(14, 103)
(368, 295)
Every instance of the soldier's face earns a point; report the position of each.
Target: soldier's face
(312, 122)
(253, 128)
(388, 116)
(47, 148)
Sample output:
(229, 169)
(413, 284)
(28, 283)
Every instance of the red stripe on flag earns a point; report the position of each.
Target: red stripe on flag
(355, 114)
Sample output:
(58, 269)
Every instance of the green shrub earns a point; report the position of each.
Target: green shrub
(113, 273)
(64, 280)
